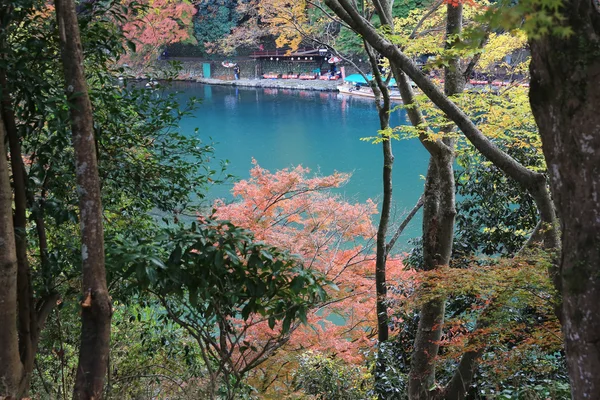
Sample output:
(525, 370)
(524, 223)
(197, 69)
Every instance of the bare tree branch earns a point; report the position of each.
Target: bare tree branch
(404, 223)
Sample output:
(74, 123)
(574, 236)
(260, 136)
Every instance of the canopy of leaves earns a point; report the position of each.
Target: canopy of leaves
(151, 25)
(213, 21)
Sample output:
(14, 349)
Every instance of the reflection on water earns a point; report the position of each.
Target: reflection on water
(207, 92)
(283, 127)
(230, 101)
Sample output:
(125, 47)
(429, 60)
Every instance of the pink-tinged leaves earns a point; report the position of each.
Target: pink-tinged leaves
(162, 22)
(301, 213)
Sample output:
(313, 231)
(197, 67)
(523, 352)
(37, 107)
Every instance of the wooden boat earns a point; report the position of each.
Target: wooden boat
(364, 91)
(271, 75)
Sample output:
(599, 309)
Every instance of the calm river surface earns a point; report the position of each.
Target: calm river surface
(320, 130)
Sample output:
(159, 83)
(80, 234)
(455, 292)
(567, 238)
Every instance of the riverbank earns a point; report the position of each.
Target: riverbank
(318, 85)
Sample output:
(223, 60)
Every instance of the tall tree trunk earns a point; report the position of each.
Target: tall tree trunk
(27, 326)
(565, 99)
(11, 368)
(381, 253)
(96, 306)
(438, 230)
(382, 102)
(31, 319)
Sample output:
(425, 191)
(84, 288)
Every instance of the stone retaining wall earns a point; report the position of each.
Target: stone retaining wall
(250, 69)
(318, 85)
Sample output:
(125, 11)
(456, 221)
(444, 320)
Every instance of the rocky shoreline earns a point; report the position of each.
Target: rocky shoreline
(318, 85)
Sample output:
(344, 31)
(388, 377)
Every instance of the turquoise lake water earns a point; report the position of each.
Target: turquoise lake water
(320, 130)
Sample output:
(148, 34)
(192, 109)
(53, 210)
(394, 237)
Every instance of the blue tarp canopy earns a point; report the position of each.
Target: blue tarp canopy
(358, 78)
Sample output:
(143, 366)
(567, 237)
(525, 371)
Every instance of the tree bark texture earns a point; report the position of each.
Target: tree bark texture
(565, 99)
(11, 368)
(438, 233)
(383, 109)
(382, 102)
(96, 305)
(28, 323)
(439, 212)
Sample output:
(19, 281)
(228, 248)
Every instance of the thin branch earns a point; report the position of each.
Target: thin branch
(535, 237)
(471, 66)
(327, 14)
(46, 388)
(433, 9)
(404, 223)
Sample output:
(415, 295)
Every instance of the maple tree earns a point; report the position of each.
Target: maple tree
(290, 23)
(151, 25)
(298, 213)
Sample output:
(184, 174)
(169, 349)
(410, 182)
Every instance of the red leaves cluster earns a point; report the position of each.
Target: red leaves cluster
(456, 3)
(293, 211)
(162, 23)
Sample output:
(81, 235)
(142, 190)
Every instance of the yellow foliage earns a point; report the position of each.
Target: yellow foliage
(498, 46)
(288, 21)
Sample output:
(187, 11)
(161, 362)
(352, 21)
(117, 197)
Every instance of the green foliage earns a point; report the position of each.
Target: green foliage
(494, 216)
(221, 286)
(536, 17)
(220, 272)
(214, 20)
(382, 135)
(329, 378)
(148, 354)
(401, 8)
(349, 43)
(541, 375)
(138, 133)
(396, 353)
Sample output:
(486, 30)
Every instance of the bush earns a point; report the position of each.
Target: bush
(329, 378)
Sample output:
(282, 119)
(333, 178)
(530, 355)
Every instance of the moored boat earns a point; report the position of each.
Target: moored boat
(364, 91)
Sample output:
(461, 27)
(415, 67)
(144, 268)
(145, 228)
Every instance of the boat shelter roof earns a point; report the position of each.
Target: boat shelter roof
(300, 55)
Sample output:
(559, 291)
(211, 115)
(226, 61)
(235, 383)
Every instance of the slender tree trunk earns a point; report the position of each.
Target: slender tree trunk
(384, 221)
(11, 368)
(31, 319)
(96, 306)
(382, 102)
(27, 326)
(565, 99)
(381, 251)
(381, 256)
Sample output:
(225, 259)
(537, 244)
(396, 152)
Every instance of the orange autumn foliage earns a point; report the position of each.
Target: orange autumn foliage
(157, 24)
(301, 214)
